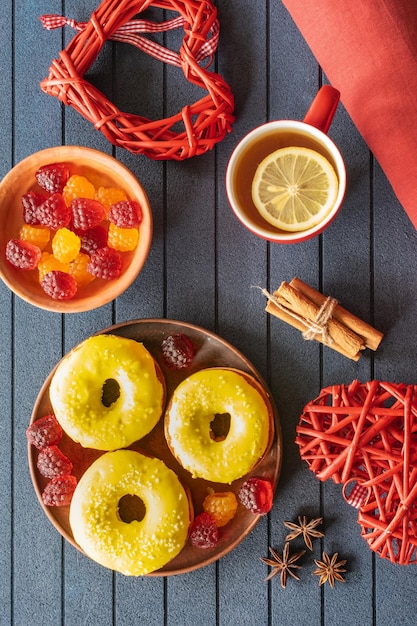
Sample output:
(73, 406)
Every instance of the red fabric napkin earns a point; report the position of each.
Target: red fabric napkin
(368, 51)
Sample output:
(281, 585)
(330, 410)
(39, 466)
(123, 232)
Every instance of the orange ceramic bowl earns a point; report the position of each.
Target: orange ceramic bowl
(102, 170)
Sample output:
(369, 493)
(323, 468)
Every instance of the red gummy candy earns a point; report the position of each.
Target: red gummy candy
(87, 213)
(54, 213)
(125, 214)
(105, 263)
(30, 202)
(52, 177)
(59, 491)
(177, 351)
(93, 239)
(22, 254)
(52, 462)
(204, 532)
(46, 431)
(256, 494)
(59, 285)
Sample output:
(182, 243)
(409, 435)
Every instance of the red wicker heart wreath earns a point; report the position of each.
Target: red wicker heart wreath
(204, 123)
(366, 434)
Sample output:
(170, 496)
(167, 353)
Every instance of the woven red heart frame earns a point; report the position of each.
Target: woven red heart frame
(204, 122)
(367, 433)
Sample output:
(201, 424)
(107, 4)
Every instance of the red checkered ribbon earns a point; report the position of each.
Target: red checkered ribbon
(357, 496)
(129, 33)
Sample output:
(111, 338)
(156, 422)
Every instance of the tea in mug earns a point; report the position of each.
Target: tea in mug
(257, 151)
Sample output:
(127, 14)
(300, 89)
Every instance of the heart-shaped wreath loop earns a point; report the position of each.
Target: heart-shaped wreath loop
(204, 123)
(367, 433)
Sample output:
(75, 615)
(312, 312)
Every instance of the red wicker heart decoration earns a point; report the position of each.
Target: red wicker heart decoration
(201, 124)
(367, 434)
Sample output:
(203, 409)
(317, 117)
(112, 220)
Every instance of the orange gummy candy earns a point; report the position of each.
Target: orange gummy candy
(222, 506)
(78, 187)
(122, 239)
(109, 196)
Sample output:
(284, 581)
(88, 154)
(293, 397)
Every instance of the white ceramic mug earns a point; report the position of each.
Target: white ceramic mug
(265, 139)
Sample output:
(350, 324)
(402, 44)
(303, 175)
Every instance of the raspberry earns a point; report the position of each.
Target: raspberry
(54, 213)
(52, 177)
(125, 214)
(222, 506)
(37, 235)
(204, 532)
(109, 196)
(122, 239)
(256, 494)
(87, 213)
(49, 263)
(52, 462)
(59, 491)
(78, 269)
(46, 431)
(105, 263)
(59, 285)
(65, 245)
(78, 187)
(22, 254)
(30, 202)
(177, 351)
(93, 239)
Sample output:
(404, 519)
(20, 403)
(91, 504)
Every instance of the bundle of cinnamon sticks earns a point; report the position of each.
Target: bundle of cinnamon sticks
(322, 318)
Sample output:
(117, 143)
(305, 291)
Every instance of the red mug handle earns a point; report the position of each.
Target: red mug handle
(323, 108)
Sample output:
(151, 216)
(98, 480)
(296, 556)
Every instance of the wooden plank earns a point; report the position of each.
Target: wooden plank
(346, 262)
(6, 331)
(396, 310)
(242, 267)
(37, 343)
(295, 363)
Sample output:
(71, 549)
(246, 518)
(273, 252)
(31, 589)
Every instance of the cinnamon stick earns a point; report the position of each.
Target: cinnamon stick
(298, 304)
(273, 309)
(370, 335)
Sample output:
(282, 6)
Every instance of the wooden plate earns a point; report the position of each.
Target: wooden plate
(211, 351)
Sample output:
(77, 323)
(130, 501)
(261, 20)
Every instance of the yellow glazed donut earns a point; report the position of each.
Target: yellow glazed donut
(192, 410)
(132, 548)
(81, 378)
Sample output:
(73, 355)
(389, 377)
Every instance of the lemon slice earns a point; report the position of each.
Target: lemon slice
(294, 188)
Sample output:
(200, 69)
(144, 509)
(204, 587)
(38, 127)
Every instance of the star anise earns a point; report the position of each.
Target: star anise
(330, 569)
(305, 528)
(283, 564)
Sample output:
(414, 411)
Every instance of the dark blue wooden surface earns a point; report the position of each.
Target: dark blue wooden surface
(202, 268)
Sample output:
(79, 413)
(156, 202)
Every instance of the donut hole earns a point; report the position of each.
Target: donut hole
(220, 426)
(110, 392)
(131, 508)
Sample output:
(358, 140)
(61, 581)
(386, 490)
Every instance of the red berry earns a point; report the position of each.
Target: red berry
(59, 491)
(46, 431)
(59, 285)
(22, 254)
(256, 494)
(125, 214)
(54, 213)
(52, 462)
(93, 239)
(87, 213)
(52, 177)
(30, 202)
(105, 263)
(177, 351)
(204, 532)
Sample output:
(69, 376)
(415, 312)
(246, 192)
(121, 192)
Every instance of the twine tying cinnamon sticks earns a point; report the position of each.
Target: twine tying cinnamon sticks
(322, 318)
